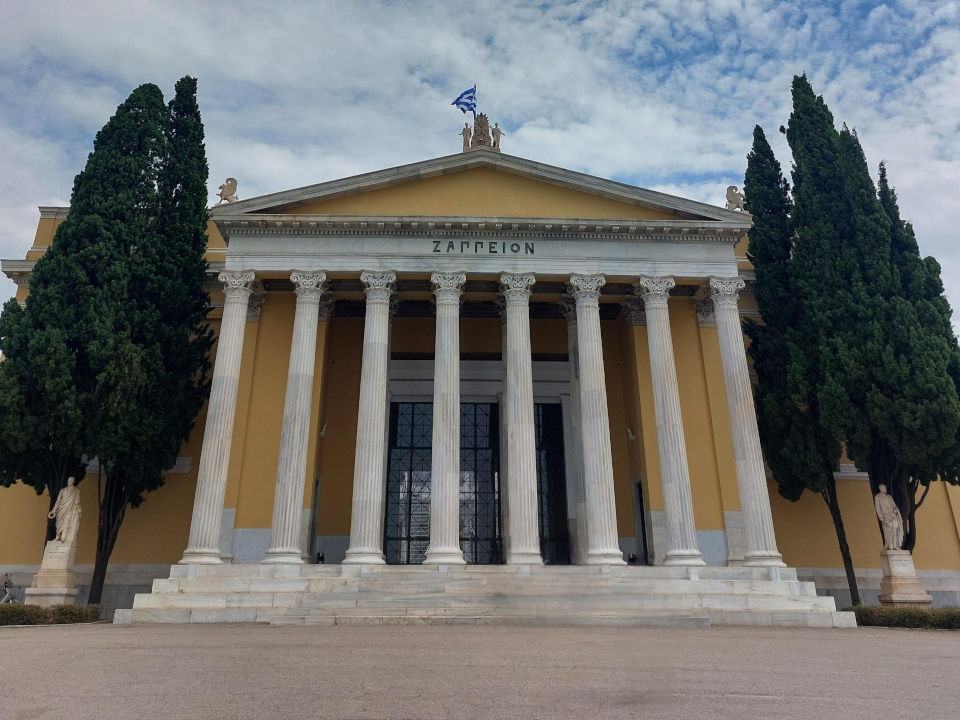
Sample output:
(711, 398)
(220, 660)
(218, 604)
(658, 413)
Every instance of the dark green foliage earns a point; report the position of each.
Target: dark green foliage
(801, 453)
(907, 617)
(54, 615)
(110, 358)
(857, 350)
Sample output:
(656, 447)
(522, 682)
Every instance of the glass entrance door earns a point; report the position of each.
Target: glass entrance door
(407, 526)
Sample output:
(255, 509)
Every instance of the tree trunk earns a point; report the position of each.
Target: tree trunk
(113, 507)
(830, 497)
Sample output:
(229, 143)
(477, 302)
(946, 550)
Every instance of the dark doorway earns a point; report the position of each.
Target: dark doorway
(407, 526)
(551, 483)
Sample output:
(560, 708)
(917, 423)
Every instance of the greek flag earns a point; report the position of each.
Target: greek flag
(467, 101)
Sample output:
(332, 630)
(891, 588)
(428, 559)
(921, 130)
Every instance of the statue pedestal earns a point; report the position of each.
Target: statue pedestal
(900, 586)
(56, 582)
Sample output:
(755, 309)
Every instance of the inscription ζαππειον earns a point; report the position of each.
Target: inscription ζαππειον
(483, 247)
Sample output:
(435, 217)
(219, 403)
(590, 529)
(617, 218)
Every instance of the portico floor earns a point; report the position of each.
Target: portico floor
(256, 671)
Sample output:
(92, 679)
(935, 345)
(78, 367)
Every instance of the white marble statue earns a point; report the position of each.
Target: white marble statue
(496, 132)
(466, 136)
(228, 191)
(890, 518)
(734, 198)
(66, 511)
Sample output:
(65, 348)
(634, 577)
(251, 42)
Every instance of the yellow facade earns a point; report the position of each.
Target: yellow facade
(157, 531)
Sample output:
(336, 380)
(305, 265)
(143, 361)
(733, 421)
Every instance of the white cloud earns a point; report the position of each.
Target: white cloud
(662, 94)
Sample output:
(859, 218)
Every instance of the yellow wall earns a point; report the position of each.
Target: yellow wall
(482, 192)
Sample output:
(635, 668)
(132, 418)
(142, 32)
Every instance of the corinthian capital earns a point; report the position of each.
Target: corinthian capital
(654, 290)
(724, 291)
(309, 285)
(516, 287)
(447, 287)
(378, 285)
(586, 288)
(236, 284)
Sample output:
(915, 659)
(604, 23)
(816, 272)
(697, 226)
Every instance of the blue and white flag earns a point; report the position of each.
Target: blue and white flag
(467, 101)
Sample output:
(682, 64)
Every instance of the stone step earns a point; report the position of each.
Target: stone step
(671, 620)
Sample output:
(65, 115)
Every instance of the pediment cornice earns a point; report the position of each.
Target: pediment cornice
(287, 200)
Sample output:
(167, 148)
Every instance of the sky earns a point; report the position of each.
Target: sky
(660, 94)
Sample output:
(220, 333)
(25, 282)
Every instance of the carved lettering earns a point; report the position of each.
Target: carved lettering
(492, 247)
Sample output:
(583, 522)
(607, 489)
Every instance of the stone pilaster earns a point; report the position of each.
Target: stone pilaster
(580, 541)
(674, 474)
(603, 543)
(203, 545)
(444, 546)
(369, 472)
(294, 436)
(751, 476)
(524, 544)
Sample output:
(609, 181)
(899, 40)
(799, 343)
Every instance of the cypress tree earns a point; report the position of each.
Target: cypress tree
(800, 452)
(882, 379)
(150, 412)
(110, 357)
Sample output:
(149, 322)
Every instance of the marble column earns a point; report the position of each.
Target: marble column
(369, 469)
(580, 545)
(294, 435)
(524, 526)
(203, 546)
(674, 474)
(444, 546)
(751, 476)
(603, 545)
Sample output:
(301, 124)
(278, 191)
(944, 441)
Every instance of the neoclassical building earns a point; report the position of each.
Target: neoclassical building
(484, 368)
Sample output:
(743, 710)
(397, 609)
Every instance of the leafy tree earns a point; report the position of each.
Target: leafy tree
(801, 453)
(110, 357)
(879, 372)
(155, 350)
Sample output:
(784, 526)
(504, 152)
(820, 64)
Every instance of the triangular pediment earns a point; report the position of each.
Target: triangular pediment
(480, 183)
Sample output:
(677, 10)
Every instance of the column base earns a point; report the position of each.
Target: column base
(283, 557)
(444, 556)
(684, 557)
(765, 558)
(605, 557)
(364, 557)
(201, 557)
(524, 558)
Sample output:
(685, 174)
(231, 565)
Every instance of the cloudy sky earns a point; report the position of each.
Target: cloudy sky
(661, 94)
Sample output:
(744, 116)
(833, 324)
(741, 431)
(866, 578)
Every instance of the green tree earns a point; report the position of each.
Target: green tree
(155, 349)
(110, 357)
(800, 452)
(881, 377)
(913, 396)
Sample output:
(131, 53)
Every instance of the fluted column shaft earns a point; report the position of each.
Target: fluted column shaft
(603, 543)
(751, 477)
(203, 546)
(292, 463)
(444, 545)
(674, 473)
(366, 521)
(580, 541)
(524, 526)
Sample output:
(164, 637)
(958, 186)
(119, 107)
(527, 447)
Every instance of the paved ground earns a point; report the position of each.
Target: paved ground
(248, 671)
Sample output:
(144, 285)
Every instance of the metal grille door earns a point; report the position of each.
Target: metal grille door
(407, 526)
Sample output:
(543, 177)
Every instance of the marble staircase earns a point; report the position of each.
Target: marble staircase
(484, 594)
